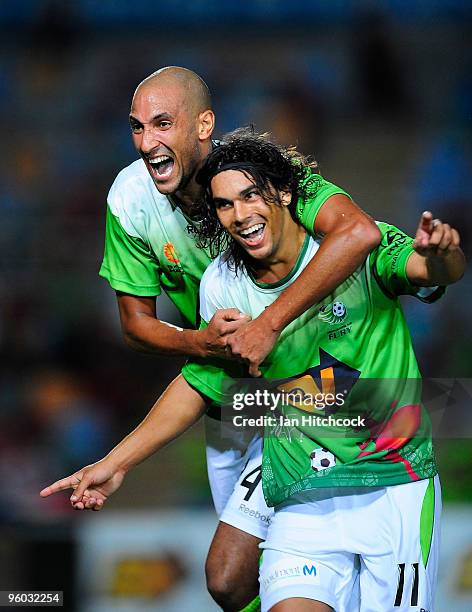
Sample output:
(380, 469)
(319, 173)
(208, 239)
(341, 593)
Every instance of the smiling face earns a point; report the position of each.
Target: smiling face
(169, 133)
(262, 229)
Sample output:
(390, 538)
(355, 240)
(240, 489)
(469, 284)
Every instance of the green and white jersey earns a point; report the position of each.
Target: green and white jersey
(148, 246)
(355, 343)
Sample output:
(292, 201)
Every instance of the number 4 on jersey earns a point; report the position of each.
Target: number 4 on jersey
(251, 480)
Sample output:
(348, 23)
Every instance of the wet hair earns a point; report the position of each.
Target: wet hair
(271, 167)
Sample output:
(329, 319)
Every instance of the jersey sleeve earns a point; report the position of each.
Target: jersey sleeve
(129, 264)
(214, 377)
(388, 264)
(317, 190)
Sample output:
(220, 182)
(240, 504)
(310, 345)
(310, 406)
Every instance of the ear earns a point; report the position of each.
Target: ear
(206, 124)
(285, 198)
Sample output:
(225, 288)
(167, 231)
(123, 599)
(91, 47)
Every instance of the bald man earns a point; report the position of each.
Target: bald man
(149, 247)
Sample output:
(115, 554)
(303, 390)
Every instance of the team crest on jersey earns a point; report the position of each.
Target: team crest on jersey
(333, 313)
(170, 254)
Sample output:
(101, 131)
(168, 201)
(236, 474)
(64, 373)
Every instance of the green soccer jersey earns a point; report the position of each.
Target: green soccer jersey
(355, 345)
(148, 246)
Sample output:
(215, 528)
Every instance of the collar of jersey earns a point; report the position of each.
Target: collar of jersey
(290, 275)
(176, 209)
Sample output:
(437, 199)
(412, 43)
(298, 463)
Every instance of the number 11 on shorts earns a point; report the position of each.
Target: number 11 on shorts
(401, 585)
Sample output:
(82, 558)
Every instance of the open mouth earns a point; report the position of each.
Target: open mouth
(252, 236)
(161, 166)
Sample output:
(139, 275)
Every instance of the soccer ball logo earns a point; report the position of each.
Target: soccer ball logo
(339, 310)
(333, 313)
(321, 458)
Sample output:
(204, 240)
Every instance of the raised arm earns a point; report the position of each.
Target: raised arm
(178, 408)
(438, 258)
(143, 331)
(350, 235)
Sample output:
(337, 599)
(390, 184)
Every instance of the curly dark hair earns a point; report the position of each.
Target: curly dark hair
(272, 167)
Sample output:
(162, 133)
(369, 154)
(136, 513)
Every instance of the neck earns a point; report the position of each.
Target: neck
(191, 192)
(186, 198)
(282, 261)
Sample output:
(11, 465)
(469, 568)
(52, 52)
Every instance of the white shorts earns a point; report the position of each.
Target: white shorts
(234, 472)
(225, 453)
(370, 550)
(246, 508)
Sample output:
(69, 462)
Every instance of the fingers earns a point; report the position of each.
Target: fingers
(70, 482)
(82, 498)
(449, 238)
(89, 503)
(97, 505)
(231, 314)
(456, 239)
(252, 344)
(228, 321)
(434, 235)
(441, 237)
(254, 370)
(426, 222)
(82, 486)
(231, 326)
(424, 230)
(446, 237)
(93, 503)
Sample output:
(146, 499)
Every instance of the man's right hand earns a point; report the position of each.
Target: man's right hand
(213, 340)
(92, 485)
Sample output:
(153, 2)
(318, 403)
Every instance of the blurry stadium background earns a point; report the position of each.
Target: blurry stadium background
(380, 93)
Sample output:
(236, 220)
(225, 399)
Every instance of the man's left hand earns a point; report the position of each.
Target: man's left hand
(433, 237)
(252, 343)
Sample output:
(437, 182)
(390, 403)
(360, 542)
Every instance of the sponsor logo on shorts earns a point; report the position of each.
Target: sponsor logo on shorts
(286, 573)
(254, 513)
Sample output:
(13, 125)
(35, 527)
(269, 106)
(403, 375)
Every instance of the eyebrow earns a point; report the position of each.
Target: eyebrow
(248, 190)
(157, 117)
(220, 201)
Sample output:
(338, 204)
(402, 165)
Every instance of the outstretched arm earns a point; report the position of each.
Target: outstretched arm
(350, 235)
(438, 258)
(143, 331)
(179, 407)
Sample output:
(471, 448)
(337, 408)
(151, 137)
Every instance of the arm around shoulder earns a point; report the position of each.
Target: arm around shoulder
(340, 215)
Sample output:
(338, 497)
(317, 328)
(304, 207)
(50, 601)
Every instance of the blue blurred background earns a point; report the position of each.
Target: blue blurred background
(380, 93)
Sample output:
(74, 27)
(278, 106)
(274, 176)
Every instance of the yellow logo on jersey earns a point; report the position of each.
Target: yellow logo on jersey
(303, 393)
